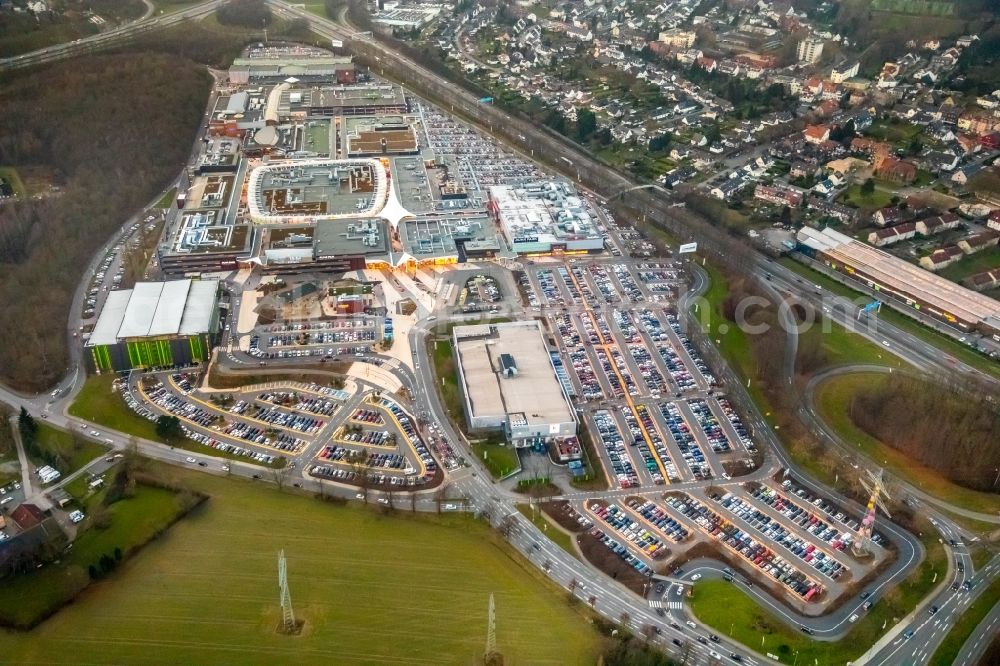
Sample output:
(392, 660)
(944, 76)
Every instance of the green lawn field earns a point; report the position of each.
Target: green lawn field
(11, 175)
(372, 589)
(948, 345)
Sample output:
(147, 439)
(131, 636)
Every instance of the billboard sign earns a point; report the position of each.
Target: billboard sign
(688, 248)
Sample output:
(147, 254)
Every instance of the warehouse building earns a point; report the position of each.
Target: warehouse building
(508, 382)
(919, 289)
(155, 325)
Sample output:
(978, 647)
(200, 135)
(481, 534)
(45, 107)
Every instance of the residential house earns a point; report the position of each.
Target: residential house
(985, 280)
(938, 161)
(937, 224)
(978, 242)
(890, 235)
(896, 170)
(826, 208)
(727, 189)
(816, 134)
(941, 257)
(844, 71)
(993, 220)
(781, 195)
(965, 174)
(888, 216)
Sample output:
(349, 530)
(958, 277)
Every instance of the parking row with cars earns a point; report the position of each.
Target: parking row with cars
(656, 516)
(689, 348)
(776, 533)
(737, 423)
(411, 435)
(622, 551)
(227, 447)
(676, 368)
(709, 425)
(747, 548)
(372, 416)
(300, 402)
(628, 283)
(805, 518)
(645, 421)
(631, 530)
(802, 497)
(614, 447)
(693, 456)
(547, 283)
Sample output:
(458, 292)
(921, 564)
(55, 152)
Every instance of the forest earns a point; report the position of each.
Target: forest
(954, 430)
(114, 130)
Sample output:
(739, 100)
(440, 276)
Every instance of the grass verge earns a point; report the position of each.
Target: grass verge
(345, 566)
(551, 530)
(11, 175)
(833, 399)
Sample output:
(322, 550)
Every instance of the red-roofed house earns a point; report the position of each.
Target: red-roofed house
(897, 171)
(816, 133)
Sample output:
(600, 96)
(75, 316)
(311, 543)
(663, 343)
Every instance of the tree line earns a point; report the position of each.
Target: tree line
(115, 129)
(953, 430)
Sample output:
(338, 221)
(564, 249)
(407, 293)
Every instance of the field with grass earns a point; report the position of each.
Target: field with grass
(131, 523)
(833, 398)
(840, 346)
(11, 175)
(727, 608)
(99, 403)
(73, 450)
(167, 199)
(498, 457)
(371, 589)
(973, 615)
(879, 198)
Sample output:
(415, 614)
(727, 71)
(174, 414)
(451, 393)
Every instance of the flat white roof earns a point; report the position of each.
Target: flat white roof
(534, 392)
(155, 309)
(106, 330)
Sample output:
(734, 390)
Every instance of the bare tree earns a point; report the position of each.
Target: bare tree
(413, 502)
(506, 526)
(592, 601)
(279, 475)
(357, 460)
(390, 496)
(441, 495)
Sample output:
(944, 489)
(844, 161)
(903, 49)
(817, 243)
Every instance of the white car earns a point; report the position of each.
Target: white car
(382, 500)
(225, 468)
(853, 618)
(190, 459)
(76, 517)
(696, 577)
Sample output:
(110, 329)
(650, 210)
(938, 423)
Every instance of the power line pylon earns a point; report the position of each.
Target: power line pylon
(492, 657)
(287, 614)
(875, 485)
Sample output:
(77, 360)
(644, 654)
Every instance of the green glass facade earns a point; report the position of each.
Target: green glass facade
(149, 353)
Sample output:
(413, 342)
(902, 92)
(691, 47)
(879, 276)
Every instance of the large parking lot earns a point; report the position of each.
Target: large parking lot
(657, 419)
(339, 434)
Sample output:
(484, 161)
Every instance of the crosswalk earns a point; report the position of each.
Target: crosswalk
(672, 605)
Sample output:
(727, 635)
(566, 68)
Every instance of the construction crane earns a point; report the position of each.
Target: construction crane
(875, 485)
